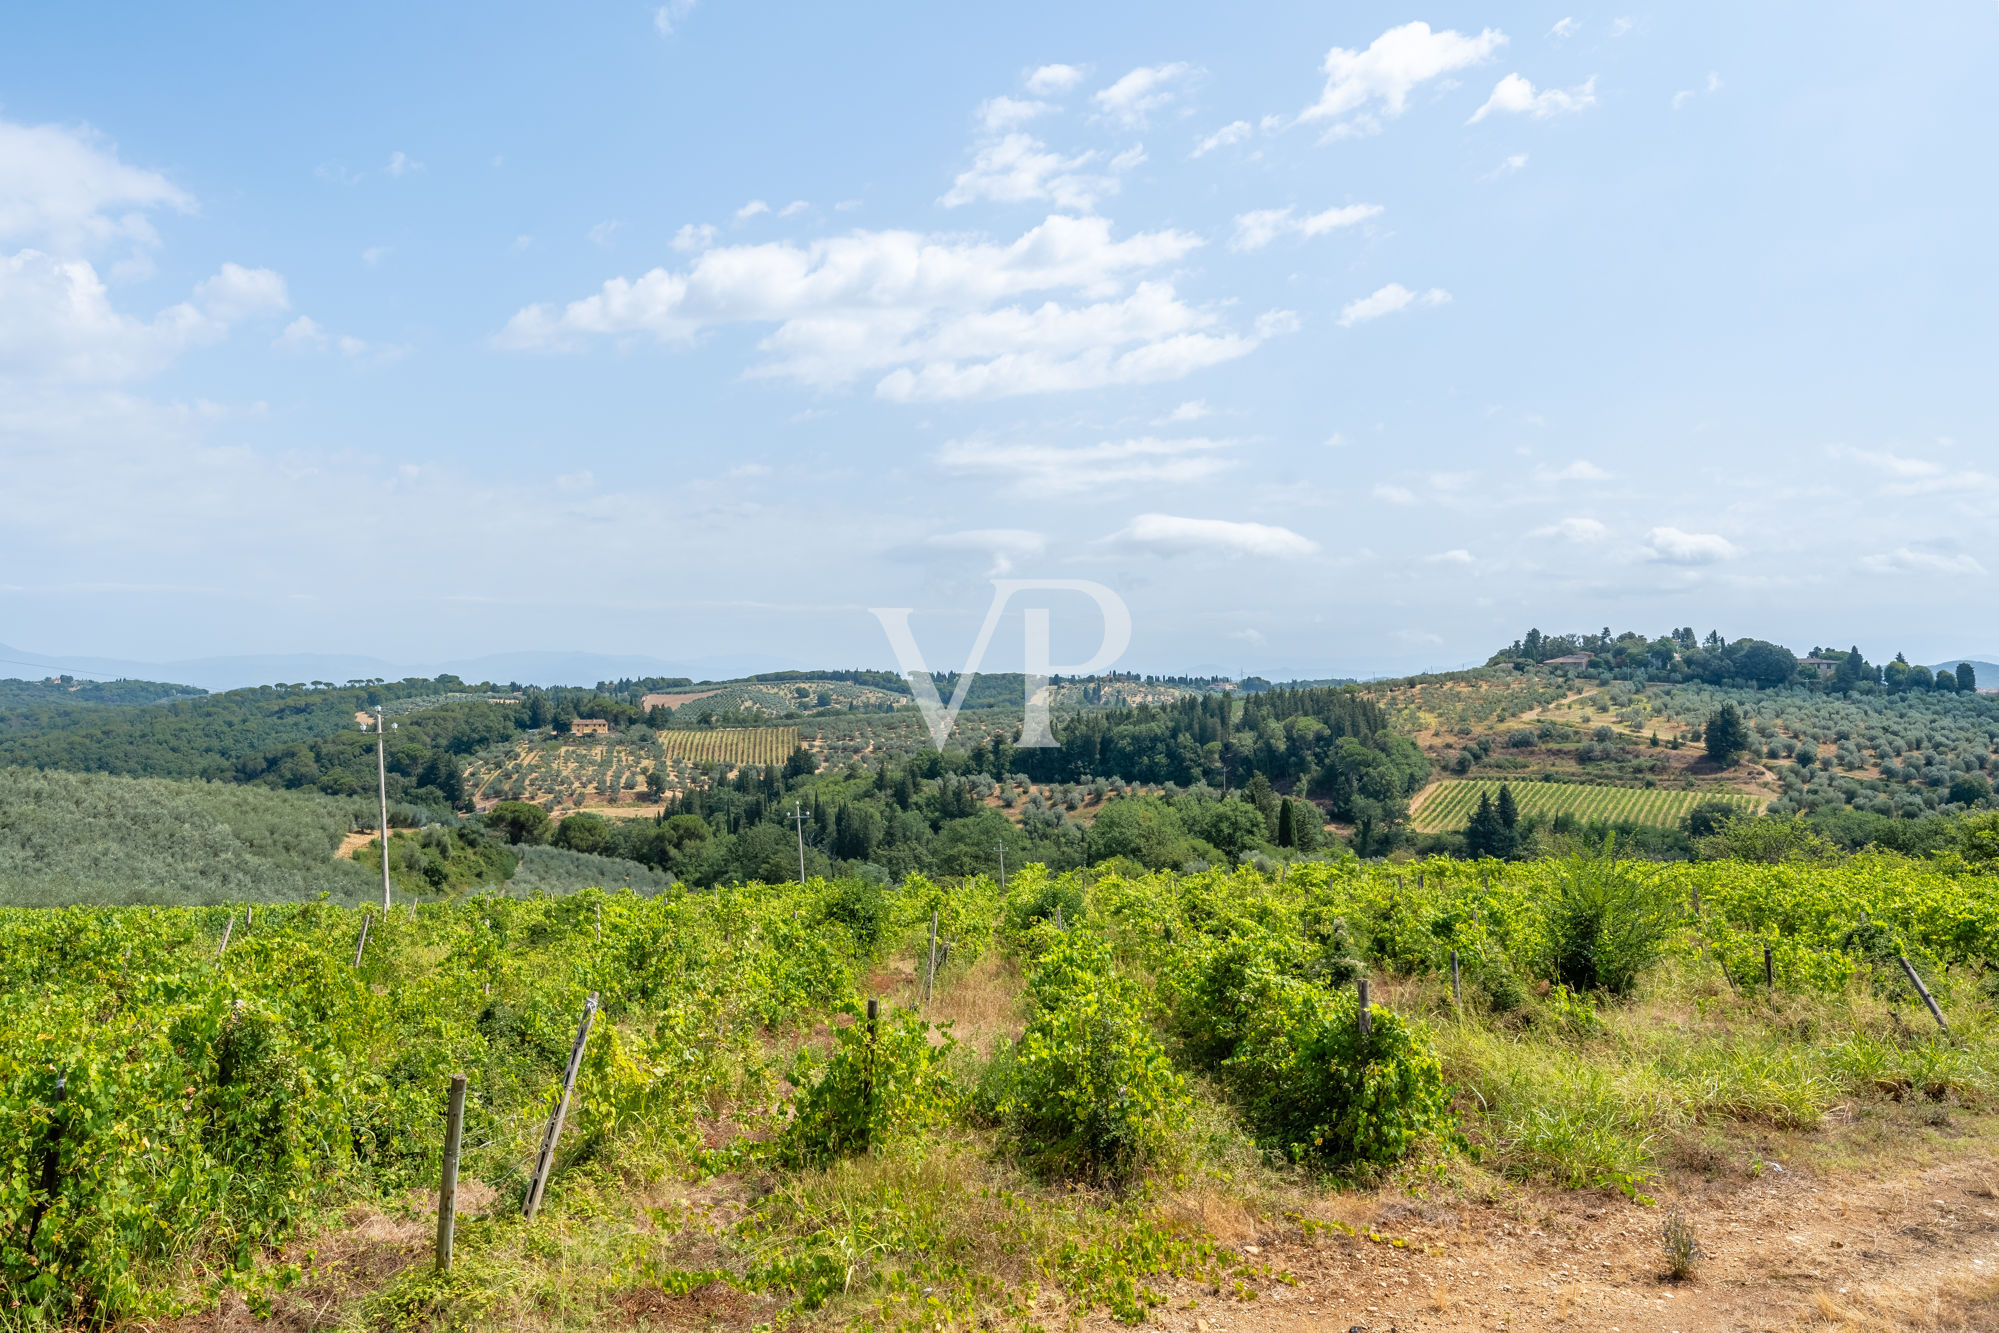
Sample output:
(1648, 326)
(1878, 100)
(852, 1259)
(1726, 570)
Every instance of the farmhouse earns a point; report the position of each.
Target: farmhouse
(1825, 666)
(590, 726)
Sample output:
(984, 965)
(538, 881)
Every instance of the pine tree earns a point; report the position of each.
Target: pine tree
(1727, 738)
(1507, 843)
(1484, 832)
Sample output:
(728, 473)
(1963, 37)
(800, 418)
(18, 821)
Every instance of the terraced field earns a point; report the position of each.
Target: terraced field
(560, 772)
(734, 746)
(1450, 805)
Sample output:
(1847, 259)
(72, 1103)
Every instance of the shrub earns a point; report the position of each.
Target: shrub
(886, 1078)
(1314, 1088)
(1089, 1092)
(1607, 921)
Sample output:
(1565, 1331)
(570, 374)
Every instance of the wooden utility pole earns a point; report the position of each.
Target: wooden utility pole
(382, 778)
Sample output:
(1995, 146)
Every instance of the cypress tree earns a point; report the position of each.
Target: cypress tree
(1727, 738)
(1484, 832)
(1508, 815)
(1287, 828)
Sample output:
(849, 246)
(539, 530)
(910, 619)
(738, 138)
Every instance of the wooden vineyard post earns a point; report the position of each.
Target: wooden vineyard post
(1922, 990)
(538, 1182)
(361, 943)
(1364, 1015)
(1457, 990)
(227, 926)
(600, 923)
(868, 1100)
(1769, 970)
(930, 965)
(1058, 916)
(447, 1187)
(51, 1162)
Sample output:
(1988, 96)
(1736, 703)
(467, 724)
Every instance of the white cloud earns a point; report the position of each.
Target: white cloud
(1191, 410)
(57, 322)
(401, 164)
(670, 15)
(1620, 27)
(1019, 168)
(1149, 88)
(374, 255)
(338, 173)
(1051, 79)
(1580, 470)
(1564, 28)
(936, 314)
(1130, 158)
(1004, 546)
(1169, 535)
(1512, 164)
(1232, 133)
(1387, 301)
(1459, 556)
(522, 242)
(1689, 548)
(1515, 94)
(65, 191)
(305, 334)
(1395, 495)
(1046, 470)
(1578, 530)
(793, 209)
(694, 237)
(1682, 97)
(1253, 637)
(1908, 560)
(1377, 82)
(751, 209)
(997, 115)
(1257, 229)
(572, 482)
(602, 233)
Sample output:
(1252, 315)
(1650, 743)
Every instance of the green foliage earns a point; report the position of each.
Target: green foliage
(886, 1080)
(1318, 1090)
(1726, 737)
(1607, 922)
(520, 822)
(73, 838)
(1090, 1094)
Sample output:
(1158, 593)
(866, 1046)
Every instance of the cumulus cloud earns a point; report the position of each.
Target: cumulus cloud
(1233, 132)
(670, 15)
(1254, 230)
(1051, 79)
(1513, 163)
(1363, 86)
(751, 209)
(1675, 547)
(695, 237)
(1170, 535)
(1149, 88)
(1916, 560)
(1516, 95)
(938, 317)
(1387, 301)
(1580, 470)
(1045, 471)
(1458, 556)
(66, 192)
(1192, 410)
(1564, 28)
(999, 114)
(305, 334)
(1005, 547)
(401, 164)
(57, 322)
(1578, 530)
(1019, 168)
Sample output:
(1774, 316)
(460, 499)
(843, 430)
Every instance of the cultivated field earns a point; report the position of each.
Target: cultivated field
(609, 771)
(1450, 804)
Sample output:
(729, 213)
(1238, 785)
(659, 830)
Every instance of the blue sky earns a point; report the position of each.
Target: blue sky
(1336, 339)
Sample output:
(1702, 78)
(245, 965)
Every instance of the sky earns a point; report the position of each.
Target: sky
(1335, 340)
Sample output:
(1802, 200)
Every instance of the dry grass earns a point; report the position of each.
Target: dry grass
(983, 1003)
(1956, 1304)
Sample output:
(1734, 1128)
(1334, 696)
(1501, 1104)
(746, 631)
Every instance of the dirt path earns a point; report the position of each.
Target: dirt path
(1914, 1250)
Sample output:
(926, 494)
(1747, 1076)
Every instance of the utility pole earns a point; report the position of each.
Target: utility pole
(798, 817)
(382, 774)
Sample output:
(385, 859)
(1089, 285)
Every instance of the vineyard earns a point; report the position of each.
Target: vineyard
(207, 1105)
(1451, 803)
(553, 771)
(748, 702)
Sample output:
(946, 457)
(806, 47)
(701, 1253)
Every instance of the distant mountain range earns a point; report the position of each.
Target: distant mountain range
(528, 668)
(1988, 672)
